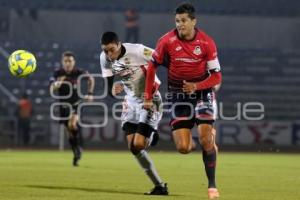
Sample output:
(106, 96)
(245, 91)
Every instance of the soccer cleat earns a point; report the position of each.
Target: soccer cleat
(159, 190)
(213, 193)
(75, 161)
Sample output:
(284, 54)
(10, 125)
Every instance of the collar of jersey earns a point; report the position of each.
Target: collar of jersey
(196, 32)
(123, 51)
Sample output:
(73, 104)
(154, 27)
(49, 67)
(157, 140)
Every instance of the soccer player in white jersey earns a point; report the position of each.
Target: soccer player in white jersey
(127, 63)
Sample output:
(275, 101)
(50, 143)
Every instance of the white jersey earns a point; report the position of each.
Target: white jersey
(130, 69)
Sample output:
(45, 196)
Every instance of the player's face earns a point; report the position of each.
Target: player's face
(112, 50)
(185, 25)
(68, 63)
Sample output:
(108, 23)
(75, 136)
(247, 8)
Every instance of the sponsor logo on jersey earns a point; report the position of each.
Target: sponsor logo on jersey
(197, 50)
(178, 48)
(188, 60)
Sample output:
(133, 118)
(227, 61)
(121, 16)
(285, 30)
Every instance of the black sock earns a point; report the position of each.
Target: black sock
(209, 159)
(80, 138)
(74, 142)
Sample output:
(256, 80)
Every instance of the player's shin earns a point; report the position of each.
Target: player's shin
(209, 159)
(209, 152)
(147, 165)
(75, 143)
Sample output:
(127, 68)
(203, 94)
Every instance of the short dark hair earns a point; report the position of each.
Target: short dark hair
(186, 8)
(68, 54)
(109, 37)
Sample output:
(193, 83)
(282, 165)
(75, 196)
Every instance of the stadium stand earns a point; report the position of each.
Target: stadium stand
(229, 7)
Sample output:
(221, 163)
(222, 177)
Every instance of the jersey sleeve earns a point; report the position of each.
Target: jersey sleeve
(212, 56)
(160, 51)
(146, 52)
(156, 79)
(105, 66)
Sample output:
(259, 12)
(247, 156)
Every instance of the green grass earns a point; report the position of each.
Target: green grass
(116, 176)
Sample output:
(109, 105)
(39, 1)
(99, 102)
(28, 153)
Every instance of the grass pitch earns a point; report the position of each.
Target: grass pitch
(102, 175)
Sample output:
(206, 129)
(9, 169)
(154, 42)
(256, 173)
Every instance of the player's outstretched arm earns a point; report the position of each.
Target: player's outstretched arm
(150, 77)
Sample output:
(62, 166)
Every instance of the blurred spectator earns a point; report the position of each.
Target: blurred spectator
(132, 25)
(33, 14)
(24, 118)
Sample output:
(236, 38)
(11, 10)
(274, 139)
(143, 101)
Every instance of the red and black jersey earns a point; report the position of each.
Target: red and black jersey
(68, 90)
(186, 60)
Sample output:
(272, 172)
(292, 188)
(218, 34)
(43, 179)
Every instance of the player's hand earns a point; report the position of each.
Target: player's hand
(117, 89)
(148, 104)
(59, 82)
(89, 98)
(189, 87)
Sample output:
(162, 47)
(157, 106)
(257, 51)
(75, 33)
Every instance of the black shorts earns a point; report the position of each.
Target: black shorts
(141, 128)
(65, 113)
(188, 110)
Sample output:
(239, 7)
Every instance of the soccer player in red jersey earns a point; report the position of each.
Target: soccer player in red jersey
(193, 72)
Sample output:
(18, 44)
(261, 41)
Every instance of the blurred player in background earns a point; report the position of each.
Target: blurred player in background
(25, 112)
(193, 70)
(127, 63)
(132, 25)
(68, 73)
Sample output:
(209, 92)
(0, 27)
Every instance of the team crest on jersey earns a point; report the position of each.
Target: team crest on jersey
(197, 50)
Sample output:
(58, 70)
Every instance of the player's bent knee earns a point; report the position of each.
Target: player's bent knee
(72, 126)
(183, 148)
(139, 145)
(182, 140)
(69, 126)
(134, 151)
(139, 141)
(207, 146)
(208, 143)
(72, 123)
